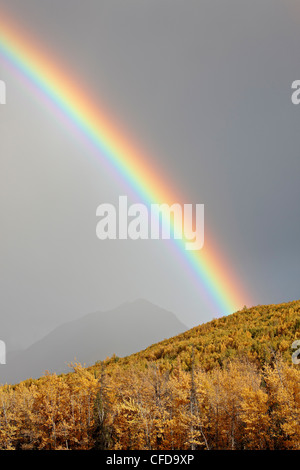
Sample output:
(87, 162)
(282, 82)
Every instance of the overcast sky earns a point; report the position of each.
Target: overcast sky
(204, 87)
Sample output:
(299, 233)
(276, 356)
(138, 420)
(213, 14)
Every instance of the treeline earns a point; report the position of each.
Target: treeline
(238, 406)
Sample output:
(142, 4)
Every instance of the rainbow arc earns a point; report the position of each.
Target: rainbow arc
(51, 81)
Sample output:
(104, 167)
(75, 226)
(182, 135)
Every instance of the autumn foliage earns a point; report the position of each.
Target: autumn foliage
(173, 395)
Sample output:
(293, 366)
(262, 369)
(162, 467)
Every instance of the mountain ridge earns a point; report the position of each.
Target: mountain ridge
(97, 335)
(256, 332)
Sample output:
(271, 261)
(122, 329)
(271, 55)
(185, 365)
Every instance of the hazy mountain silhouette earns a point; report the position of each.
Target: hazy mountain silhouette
(122, 331)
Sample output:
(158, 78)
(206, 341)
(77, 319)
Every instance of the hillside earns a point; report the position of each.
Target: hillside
(254, 333)
(227, 384)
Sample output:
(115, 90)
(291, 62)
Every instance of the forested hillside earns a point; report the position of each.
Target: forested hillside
(228, 384)
(254, 333)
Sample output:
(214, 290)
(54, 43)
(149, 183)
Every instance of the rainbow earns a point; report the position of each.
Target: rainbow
(52, 83)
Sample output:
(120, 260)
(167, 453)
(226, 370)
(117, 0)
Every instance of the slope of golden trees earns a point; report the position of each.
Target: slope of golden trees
(253, 333)
(229, 384)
